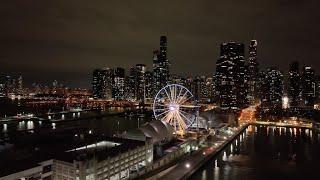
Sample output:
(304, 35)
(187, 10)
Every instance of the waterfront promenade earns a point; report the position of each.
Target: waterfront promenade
(185, 168)
(189, 165)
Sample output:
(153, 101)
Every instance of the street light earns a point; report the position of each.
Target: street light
(187, 165)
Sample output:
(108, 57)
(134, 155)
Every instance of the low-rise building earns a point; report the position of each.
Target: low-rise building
(85, 159)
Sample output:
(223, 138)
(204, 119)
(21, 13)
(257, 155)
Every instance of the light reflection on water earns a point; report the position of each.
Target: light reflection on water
(30, 125)
(21, 126)
(108, 125)
(283, 152)
(5, 128)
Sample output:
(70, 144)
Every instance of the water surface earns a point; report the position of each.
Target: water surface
(267, 153)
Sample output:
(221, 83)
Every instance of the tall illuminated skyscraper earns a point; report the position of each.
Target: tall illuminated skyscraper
(308, 86)
(19, 85)
(10, 85)
(294, 88)
(130, 88)
(2, 85)
(102, 83)
(161, 66)
(149, 85)
(273, 89)
(230, 74)
(157, 69)
(140, 82)
(317, 80)
(253, 71)
(118, 84)
(97, 83)
(164, 59)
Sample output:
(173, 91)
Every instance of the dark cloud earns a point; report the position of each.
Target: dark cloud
(65, 40)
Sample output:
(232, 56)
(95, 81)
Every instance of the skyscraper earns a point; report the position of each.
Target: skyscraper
(252, 71)
(272, 89)
(102, 83)
(118, 84)
(196, 88)
(261, 85)
(308, 86)
(294, 88)
(10, 85)
(149, 85)
(317, 80)
(164, 59)
(140, 82)
(204, 87)
(230, 73)
(2, 85)
(201, 88)
(157, 71)
(20, 85)
(97, 80)
(130, 88)
(161, 65)
(210, 88)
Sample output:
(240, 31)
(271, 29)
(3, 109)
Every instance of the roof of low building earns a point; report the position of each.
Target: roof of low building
(32, 149)
(156, 130)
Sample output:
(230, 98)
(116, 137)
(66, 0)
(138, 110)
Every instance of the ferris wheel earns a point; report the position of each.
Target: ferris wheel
(175, 105)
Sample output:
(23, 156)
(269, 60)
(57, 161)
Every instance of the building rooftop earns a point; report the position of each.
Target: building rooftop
(156, 131)
(70, 145)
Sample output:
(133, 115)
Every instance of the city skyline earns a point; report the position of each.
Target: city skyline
(150, 68)
(117, 90)
(70, 40)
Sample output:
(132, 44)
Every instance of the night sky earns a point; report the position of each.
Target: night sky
(67, 39)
